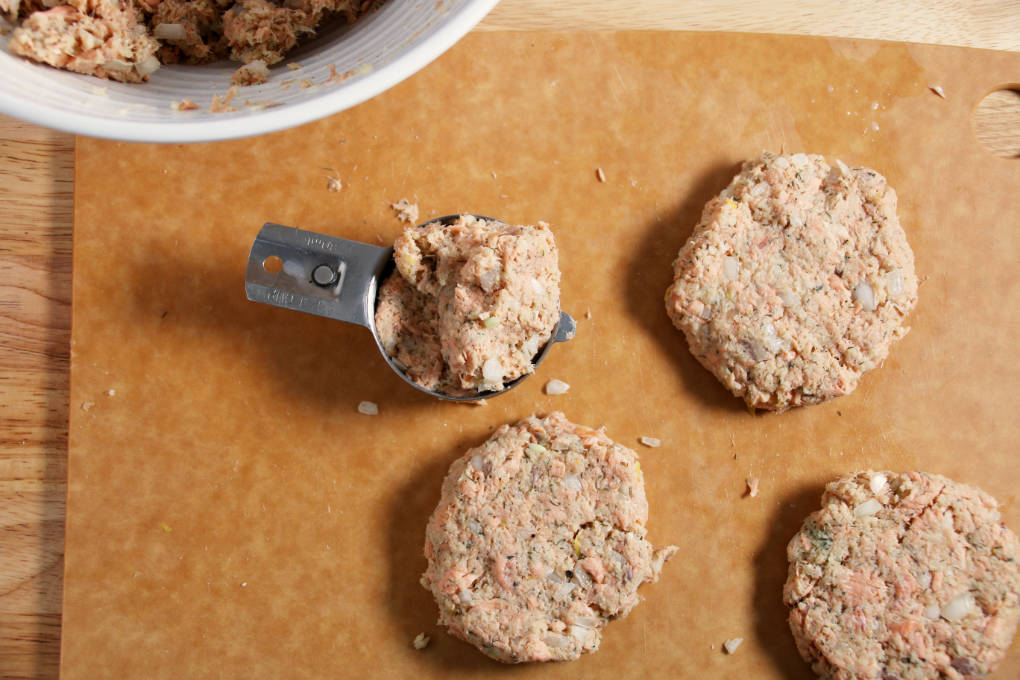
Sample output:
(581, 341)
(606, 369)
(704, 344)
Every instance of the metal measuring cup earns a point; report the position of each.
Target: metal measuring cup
(339, 279)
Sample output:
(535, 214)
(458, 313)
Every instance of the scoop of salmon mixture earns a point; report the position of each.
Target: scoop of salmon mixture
(796, 281)
(539, 540)
(471, 303)
(903, 577)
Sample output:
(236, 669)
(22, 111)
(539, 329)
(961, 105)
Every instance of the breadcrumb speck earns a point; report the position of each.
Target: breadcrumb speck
(86, 405)
(183, 105)
(937, 89)
(752, 486)
(333, 183)
(555, 387)
(221, 103)
(165, 527)
(651, 442)
(368, 408)
(421, 641)
(601, 175)
(111, 392)
(731, 645)
(406, 211)
(293, 66)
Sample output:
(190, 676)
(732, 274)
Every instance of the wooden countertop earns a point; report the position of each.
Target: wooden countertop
(36, 190)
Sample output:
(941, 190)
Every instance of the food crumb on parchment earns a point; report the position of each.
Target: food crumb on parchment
(110, 392)
(731, 645)
(333, 183)
(937, 89)
(86, 405)
(752, 486)
(368, 408)
(421, 641)
(600, 175)
(651, 442)
(555, 387)
(183, 105)
(293, 66)
(165, 527)
(406, 211)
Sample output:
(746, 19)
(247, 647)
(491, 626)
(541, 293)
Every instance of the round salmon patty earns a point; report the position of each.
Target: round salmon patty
(903, 576)
(539, 540)
(795, 282)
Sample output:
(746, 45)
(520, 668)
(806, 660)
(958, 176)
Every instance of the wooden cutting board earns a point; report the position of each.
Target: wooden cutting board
(231, 514)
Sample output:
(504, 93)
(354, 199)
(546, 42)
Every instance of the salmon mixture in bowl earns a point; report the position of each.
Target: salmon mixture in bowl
(796, 281)
(539, 540)
(903, 576)
(470, 304)
(127, 40)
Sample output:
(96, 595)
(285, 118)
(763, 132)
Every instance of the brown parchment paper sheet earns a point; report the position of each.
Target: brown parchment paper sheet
(230, 514)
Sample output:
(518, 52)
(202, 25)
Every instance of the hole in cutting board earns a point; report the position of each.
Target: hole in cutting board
(997, 121)
(272, 264)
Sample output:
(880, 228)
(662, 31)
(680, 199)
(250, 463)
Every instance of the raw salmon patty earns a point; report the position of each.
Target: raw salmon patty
(906, 576)
(539, 540)
(795, 282)
(471, 303)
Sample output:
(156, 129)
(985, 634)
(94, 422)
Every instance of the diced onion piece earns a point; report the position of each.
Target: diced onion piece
(789, 298)
(877, 483)
(867, 508)
(556, 641)
(555, 387)
(555, 577)
(564, 589)
(572, 482)
(368, 408)
(651, 442)
(586, 621)
(147, 66)
(894, 283)
(924, 580)
(465, 597)
(170, 32)
(492, 370)
(536, 286)
(118, 65)
(864, 296)
(421, 641)
(731, 645)
(731, 267)
(843, 168)
(535, 449)
(931, 612)
(477, 461)
(772, 340)
(491, 322)
(582, 634)
(958, 607)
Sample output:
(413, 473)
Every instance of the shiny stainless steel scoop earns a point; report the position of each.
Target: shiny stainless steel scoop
(339, 279)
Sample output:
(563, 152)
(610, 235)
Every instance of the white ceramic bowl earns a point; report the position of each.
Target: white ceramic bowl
(375, 53)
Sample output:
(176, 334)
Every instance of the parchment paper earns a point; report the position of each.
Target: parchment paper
(231, 514)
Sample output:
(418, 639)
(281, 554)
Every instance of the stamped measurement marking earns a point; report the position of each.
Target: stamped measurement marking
(320, 244)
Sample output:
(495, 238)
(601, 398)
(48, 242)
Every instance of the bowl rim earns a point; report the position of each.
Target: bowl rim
(460, 21)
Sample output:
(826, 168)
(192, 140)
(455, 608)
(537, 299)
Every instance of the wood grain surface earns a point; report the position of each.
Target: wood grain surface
(36, 191)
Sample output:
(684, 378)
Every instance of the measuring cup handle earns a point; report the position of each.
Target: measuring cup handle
(315, 273)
